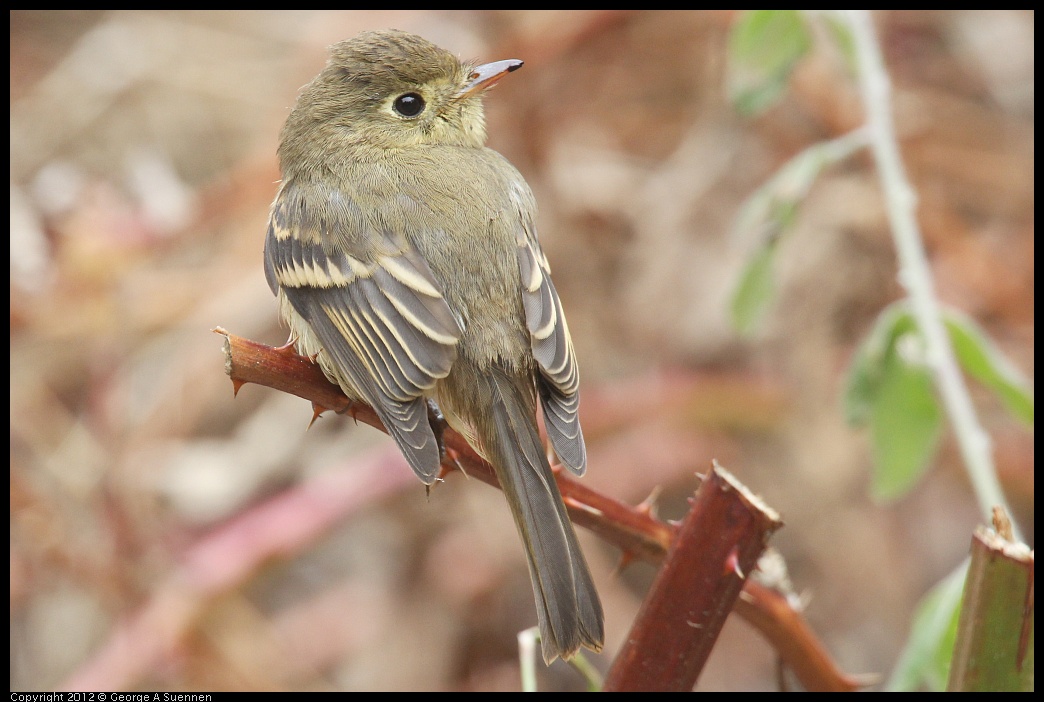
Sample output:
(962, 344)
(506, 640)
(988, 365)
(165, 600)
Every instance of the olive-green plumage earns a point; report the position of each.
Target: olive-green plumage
(403, 254)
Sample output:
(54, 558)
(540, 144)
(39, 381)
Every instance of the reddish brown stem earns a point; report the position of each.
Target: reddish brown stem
(695, 589)
(633, 530)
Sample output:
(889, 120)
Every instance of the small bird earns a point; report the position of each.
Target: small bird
(404, 258)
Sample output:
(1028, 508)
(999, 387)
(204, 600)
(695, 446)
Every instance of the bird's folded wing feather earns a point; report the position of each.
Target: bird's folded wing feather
(375, 307)
(559, 381)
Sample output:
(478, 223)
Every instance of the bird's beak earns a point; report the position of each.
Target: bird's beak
(486, 75)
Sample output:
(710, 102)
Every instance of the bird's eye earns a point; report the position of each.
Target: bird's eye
(409, 105)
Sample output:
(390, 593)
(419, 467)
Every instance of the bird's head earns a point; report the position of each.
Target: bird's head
(391, 90)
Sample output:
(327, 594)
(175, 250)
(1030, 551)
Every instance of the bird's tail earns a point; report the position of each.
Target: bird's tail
(568, 609)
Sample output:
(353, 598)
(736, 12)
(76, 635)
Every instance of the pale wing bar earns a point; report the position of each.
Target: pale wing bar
(384, 323)
(559, 380)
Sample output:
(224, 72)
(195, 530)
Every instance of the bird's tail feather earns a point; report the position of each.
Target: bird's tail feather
(568, 609)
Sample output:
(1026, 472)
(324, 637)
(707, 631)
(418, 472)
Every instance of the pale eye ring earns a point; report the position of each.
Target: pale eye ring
(409, 105)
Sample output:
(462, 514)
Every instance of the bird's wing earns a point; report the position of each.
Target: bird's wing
(559, 380)
(375, 307)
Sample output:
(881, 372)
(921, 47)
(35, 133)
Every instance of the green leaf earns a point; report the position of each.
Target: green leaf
(905, 422)
(983, 361)
(754, 291)
(768, 213)
(925, 660)
(773, 207)
(890, 388)
(764, 47)
(867, 370)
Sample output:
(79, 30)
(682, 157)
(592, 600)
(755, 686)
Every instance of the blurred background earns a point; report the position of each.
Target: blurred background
(165, 535)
